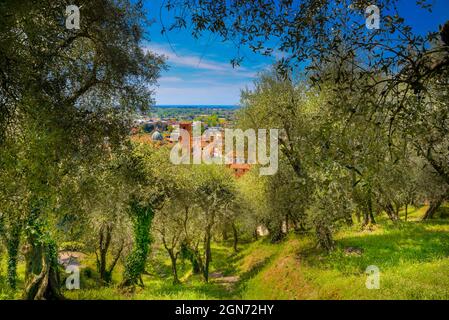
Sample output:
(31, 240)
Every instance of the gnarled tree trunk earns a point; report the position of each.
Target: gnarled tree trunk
(103, 248)
(434, 206)
(324, 236)
(173, 259)
(42, 281)
(392, 213)
(42, 274)
(368, 216)
(142, 217)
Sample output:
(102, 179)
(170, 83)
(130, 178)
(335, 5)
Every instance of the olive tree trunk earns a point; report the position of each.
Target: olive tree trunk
(324, 236)
(42, 280)
(174, 267)
(104, 244)
(236, 237)
(434, 206)
(208, 253)
(42, 273)
(142, 217)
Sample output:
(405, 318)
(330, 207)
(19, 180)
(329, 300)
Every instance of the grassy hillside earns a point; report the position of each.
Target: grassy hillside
(413, 258)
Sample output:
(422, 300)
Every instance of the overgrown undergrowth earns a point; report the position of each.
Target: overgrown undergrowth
(413, 259)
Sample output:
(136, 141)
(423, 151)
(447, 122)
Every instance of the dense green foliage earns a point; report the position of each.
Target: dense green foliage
(364, 136)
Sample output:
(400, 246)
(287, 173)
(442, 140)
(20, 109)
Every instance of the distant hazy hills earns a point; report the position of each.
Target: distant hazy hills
(175, 106)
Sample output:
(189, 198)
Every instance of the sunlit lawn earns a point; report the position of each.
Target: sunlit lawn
(413, 259)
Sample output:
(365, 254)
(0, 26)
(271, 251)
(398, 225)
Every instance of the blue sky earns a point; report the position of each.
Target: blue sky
(200, 72)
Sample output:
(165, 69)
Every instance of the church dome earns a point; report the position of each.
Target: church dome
(157, 136)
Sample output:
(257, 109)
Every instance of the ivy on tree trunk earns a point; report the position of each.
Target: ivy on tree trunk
(142, 217)
(42, 280)
(12, 245)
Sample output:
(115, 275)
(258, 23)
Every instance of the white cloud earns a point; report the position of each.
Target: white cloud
(194, 61)
(169, 79)
(197, 81)
(188, 60)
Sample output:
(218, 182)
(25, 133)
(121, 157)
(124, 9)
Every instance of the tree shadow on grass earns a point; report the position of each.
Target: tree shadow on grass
(223, 261)
(252, 272)
(192, 288)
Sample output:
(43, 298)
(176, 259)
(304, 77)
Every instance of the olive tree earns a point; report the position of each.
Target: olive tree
(214, 189)
(68, 94)
(150, 180)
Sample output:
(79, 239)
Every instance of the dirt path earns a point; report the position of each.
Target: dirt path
(229, 282)
(66, 258)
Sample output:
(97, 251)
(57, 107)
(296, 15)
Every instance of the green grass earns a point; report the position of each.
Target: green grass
(274, 271)
(159, 283)
(413, 258)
